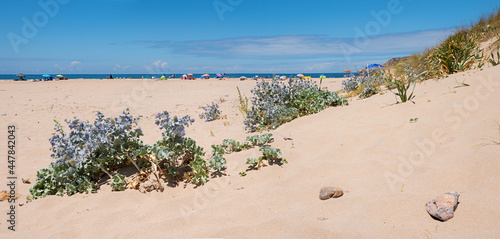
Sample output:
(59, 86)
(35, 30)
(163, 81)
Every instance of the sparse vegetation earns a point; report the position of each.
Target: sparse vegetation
(243, 107)
(211, 113)
(461, 84)
(91, 150)
(492, 60)
(403, 84)
(277, 102)
(271, 155)
(228, 146)
(366, 84)
(459, 52)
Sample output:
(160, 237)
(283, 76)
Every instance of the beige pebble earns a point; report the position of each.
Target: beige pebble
(330, 192)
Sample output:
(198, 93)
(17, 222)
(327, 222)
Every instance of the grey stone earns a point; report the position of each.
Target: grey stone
(443, 206)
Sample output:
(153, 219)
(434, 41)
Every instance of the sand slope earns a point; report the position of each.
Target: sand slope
(388, 167)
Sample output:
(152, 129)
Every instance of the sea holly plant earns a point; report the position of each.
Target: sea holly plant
(217, 161)
(175, 154)
(260, 140)
(211, 113)
(350, 84)
(106, 142)
(86, 152)
(90, 150)
(277, 102)
(230, 145)
(271, 155)
(365, 84)
(118, 182)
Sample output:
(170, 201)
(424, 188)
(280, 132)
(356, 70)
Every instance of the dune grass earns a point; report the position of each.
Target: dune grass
(460, 51)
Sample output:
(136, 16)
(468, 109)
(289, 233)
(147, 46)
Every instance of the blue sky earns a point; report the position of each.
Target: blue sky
(232, 36)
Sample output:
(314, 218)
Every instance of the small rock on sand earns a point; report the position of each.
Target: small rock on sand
(330, 192)
(443, 206)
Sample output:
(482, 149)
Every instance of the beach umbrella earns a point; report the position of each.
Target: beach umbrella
(283, 77)
(300, 75)
(206, 75)
(59, 76)
(46, 75)
(321, 77)
(346, 70)
(374, 66)
(20, 75)
(190, 74)
(243, 77)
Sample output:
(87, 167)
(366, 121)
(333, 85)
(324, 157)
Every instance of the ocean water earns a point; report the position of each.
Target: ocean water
(139, 76)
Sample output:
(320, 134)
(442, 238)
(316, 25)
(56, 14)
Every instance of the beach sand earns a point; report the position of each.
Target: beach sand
(388, 167)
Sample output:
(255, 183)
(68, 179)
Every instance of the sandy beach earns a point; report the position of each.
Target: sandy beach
(387, 166)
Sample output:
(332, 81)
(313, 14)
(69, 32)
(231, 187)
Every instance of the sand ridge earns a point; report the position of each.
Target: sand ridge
(387, 166)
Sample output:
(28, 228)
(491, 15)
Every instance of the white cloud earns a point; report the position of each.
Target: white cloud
(157, 67)
(72, 66)
(306, 46)
(292, 53)
(164, 65)
(74, 63)
(118, 67)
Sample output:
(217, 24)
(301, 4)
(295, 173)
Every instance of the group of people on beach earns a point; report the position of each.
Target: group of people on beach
(49, 78)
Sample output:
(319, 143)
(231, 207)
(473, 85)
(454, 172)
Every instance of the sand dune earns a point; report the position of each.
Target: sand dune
(388, 167)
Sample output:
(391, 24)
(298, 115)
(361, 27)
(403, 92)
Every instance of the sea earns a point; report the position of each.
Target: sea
(149, 76)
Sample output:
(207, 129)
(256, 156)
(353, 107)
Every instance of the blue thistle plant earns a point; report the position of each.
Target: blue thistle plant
(88, 150)
(277, 102)
(175, 152)
(211, 113)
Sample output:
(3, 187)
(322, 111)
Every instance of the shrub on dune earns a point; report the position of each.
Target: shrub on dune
(366, 84)
(457, 53)
(91, 150)
(276, 102)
